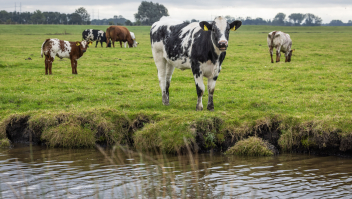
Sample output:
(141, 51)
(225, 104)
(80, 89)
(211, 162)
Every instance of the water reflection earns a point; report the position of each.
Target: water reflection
(80, 173)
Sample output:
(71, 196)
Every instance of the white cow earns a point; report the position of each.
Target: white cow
(135, 43)
(282, 42)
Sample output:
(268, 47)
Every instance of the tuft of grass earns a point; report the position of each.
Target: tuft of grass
(69, 135)
(252, 146)
(5, 143)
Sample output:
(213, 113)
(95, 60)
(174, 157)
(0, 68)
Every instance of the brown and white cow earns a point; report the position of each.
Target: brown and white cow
(118, 33)
(63, 49)
(282, 42)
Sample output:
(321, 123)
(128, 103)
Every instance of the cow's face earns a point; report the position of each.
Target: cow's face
(135, 43)
(83, 45)
(290, 55)
(220, 31)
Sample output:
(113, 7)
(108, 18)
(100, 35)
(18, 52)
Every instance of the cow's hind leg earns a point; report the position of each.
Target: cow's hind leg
(50, 64)
(278, 54)
(168, 75)
(121, 44)
(46, 64)
(96, 44)
(160, 63)
(271, 54)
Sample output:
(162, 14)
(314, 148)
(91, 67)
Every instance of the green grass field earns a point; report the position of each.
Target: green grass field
(315, 87)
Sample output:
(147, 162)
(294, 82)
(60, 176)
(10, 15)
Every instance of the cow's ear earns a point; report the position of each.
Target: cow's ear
(78, 43)
(205, 26)
(235, 25)
(90, 43)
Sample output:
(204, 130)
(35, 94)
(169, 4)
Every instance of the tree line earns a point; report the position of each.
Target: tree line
(80, 16)
(148, 13)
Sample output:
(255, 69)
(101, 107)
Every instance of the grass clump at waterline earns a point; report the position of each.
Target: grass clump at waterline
(5, 143)
(252, 146)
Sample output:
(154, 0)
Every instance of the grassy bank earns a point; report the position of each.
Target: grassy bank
(308, 98)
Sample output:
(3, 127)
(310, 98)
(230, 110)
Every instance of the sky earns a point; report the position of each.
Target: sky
(200, 10)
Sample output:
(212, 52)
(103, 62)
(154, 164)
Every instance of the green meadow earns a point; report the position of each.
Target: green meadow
(117, 89)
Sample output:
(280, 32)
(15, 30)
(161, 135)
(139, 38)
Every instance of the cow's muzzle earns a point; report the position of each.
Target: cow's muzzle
(84, 51)
(222, 45)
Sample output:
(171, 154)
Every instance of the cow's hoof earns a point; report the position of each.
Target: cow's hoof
(199, 108)
(166, 103)
(210, 108)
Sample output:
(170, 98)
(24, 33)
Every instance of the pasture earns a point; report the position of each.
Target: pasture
(313, 91)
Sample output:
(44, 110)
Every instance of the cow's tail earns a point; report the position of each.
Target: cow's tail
(272, 38)
(41, 52)
(107, 34)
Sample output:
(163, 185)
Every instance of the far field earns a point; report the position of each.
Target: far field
(315, 86)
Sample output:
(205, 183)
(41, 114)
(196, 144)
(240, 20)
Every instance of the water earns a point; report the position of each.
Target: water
(88, 173)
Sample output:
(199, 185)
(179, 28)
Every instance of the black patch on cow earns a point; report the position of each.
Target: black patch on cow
(167, 88)
(159, 34)
(215, 78)
(202, 48)
(199, 91)
(195, 68)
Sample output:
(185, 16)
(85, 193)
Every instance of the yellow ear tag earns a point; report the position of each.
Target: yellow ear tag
(293, 50)
(234, 28)
(77, 44)
(205, 28)
(90, 43)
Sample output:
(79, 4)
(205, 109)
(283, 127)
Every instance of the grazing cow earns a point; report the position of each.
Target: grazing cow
(200, 46)
(282, 42)
(94, 35)
(63, 49)
(118, 33)
(135, 43)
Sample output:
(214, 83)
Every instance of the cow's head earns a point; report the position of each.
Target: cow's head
(83, 45)
(290, 55)
(135, 43)
(220, 30)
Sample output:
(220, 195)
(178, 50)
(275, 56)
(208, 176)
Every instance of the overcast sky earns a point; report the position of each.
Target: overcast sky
(197, 9)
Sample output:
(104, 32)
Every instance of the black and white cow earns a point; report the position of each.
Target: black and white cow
(94, 35)
(200, 46)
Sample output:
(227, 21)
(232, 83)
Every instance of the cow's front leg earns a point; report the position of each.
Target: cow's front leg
(200, 91)
(96, 44)
(168, 75)
(211, 89)
(74, 66)
(121, 44)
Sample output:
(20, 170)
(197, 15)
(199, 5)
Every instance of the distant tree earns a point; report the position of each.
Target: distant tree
(38, 17)
(75, 18)
(149, 12)
(279, 19)
(187, 21)
(137, 23)
(128, 23)
(193, 20)
(111, 23)
(350, 21)
(312, 20)
(336, 23)
(84, 15)
(297, 18)
(229, 18)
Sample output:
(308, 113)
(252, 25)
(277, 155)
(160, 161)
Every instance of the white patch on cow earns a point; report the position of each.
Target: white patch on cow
(165, 21)
(84, 43)
(56, 49)
(221, 24)
(100, 35)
